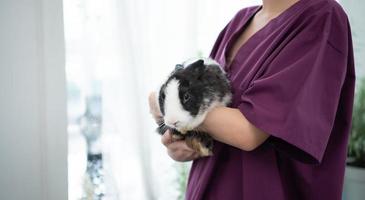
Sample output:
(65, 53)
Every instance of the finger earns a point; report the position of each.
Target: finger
(154, 108)
(166, 138)
(151, 96)
(180, 145)
(177, 156)
(152, 101)
(182, 155)
(195, 155)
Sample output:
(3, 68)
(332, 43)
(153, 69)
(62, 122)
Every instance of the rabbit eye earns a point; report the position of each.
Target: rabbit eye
(186, 97)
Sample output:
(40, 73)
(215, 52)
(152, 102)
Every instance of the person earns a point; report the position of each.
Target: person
(284, 136)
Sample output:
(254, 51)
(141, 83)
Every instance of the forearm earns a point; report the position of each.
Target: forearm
(230, 126)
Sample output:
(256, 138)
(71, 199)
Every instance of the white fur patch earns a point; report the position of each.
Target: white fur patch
(227, 99)
(174, 111)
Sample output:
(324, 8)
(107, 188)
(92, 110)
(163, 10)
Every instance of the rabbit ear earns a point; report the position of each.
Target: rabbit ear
(198, 66)
(179, 66)
(199, 62)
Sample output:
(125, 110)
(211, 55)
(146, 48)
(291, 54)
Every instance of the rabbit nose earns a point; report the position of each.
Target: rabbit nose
(174, 123)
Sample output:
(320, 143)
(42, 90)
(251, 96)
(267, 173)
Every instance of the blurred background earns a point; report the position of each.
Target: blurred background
(74, 81)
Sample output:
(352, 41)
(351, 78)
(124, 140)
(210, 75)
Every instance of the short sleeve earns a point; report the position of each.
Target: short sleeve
(295, 100)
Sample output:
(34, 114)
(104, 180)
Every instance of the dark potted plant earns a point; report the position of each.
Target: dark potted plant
(355, 169)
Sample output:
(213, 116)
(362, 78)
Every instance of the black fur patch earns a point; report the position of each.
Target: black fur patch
(201, 82)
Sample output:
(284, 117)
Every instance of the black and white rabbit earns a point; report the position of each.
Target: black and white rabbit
(185, 98)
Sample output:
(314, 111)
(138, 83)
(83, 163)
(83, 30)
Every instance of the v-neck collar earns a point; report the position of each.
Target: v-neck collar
(243, 26)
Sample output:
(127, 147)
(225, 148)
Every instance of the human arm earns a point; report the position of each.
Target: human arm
(224, 124)
(230, 126)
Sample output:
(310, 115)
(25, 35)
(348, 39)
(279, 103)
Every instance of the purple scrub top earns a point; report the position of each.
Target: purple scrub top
(293, 79)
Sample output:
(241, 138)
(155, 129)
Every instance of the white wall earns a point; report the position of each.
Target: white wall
(33, 148)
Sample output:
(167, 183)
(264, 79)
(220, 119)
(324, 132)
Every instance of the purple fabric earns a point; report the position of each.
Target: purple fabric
(294, 79)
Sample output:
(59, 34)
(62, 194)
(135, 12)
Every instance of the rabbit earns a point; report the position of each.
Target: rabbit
(184, 99)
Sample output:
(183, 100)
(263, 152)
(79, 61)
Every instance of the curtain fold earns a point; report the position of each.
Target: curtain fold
(131, 47)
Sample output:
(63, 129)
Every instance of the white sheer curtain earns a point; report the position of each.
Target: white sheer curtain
(131, 46)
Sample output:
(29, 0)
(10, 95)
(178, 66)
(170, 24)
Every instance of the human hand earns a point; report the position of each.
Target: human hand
(178, 150)
(154, 108)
